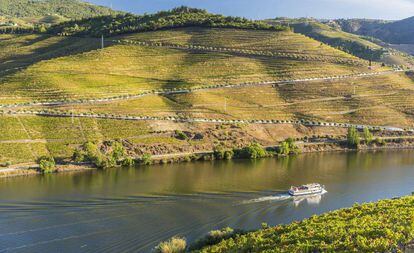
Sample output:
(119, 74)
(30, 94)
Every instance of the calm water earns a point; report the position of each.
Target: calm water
(130, 210)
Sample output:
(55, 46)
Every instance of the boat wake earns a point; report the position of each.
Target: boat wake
(311, 199)
(278, 197)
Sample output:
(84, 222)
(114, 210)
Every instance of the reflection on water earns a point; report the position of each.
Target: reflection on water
(313, 199)
(130, 210)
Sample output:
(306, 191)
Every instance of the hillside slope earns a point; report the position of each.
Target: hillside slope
(61, 91)
(41, 68)
(397, 32)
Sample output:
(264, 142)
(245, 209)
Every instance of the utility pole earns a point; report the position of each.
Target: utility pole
(102, 42)
(72, 116)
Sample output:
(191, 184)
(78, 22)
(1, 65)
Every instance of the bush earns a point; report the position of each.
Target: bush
(380, 142)
(228, 154)
(118, 151)
(214, 237)
(174, 245)
(253, 151)
(353, 137)
(288, 147)
(368, 136)
(146, 159)
(47, 164)
(128, 162)
(180, 135)
(78, 156)
(222, 154)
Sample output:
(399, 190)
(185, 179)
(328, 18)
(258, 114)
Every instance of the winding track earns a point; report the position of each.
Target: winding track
(195, 89)
(246, 52)
(202, 120)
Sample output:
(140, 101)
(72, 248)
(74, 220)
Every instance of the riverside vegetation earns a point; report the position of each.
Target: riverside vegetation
(113, 154)
(384, 226)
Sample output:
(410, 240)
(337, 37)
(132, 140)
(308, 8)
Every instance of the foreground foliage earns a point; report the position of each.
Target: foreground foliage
(174, 245)
(385, 226)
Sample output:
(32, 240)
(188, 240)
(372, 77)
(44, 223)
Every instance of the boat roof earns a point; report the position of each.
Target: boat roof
(311, 185)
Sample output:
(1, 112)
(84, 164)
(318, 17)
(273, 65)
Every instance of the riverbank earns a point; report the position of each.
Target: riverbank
(316, 146)
(384, 226)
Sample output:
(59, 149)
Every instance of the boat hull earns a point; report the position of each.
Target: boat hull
(303, 193)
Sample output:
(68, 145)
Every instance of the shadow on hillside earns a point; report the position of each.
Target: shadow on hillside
(49, 47)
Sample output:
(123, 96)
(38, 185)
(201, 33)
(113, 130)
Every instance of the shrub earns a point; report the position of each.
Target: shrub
(368, 136)
(222, 154)
(228, 154)
(180, 135)
(380, 142)
(128, 162)
(214, 237)
(288, 147)
(219, 153)
(253, 151)
(146, 159)
(118, 151)
(47, 164)
(78, 156)
(353, 137)
(174, 245)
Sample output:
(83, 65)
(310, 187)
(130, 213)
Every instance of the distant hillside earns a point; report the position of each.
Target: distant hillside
(398, 32)
(178, 17)
(335, 37)
(40, 8)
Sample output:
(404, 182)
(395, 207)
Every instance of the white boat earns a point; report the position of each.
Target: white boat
(307, 189)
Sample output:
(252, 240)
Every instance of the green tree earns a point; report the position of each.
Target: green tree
(118, 151)
(288, 147)
(368, 136)
(353, 137)
(253, 151)
(47, 164)
(128, 162)
(146, 159)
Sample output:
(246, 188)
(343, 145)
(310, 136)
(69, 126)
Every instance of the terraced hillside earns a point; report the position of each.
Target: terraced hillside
(132, 69)
(195, 73)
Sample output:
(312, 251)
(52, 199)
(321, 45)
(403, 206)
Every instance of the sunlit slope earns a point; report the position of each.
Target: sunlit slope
(285, 41)
(377, 100)
(131, 69)
(24, 139)
(66, 68)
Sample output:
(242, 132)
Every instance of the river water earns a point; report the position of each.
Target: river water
(131, 210)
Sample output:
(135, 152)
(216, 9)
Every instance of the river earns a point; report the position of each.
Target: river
(131, 210)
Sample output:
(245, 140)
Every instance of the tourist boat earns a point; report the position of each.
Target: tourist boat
(307, 189)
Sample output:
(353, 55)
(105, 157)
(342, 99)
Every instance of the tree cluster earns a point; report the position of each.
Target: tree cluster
(179, 17)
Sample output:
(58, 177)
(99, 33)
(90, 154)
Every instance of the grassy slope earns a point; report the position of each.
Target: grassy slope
(376, 227)
(131, 69)
(23, 139)
(286, 42)
(125, 69)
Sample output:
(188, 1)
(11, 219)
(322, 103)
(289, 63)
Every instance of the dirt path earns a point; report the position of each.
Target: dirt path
(195, 89)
